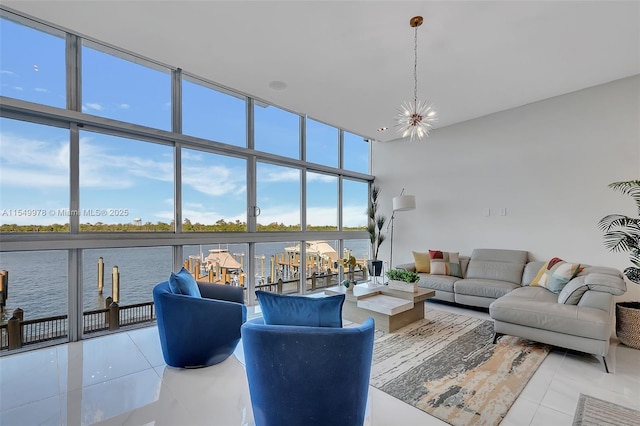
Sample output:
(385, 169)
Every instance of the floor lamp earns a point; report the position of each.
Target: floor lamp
(401, 203)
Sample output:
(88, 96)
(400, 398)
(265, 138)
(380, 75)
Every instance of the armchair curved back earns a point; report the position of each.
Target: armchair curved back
(309, 376)
(197, 332)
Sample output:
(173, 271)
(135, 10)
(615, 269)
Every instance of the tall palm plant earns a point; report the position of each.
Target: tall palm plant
(376, 222)
(622, 233)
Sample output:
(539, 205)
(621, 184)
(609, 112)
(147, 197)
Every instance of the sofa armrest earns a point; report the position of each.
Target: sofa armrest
(407, 266)
(596, 299)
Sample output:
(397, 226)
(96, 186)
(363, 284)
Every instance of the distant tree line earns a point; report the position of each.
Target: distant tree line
(187, 226)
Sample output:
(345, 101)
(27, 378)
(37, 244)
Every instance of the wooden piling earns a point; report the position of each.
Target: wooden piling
(115, 284)
(14, 331)
(4, 289)
(108, 301)
(114, 316)
(273, 268)
(100, 275)
(18, 313)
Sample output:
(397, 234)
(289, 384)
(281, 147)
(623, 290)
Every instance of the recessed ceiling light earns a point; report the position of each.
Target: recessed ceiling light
(382, 129)
(278, 85)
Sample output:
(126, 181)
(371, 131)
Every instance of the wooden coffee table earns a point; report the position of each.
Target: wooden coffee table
(391, 309)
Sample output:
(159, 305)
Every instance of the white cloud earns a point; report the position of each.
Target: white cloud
(191, 155)
(34, 163)
(18, 88)
(163, 215)
(199, 216)
(288, 214)
(318, 216)
(318, 177)
(199, 206)
(7, 72)
(279, 174)
(92, 106)
(124, 106)
(99, 168)
(212, 179)
(40, 89)
(353, 215)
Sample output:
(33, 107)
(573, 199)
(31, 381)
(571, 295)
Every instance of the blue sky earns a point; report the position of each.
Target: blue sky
(126, 174)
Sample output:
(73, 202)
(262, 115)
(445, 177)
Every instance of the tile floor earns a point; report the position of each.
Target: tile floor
(121, 379)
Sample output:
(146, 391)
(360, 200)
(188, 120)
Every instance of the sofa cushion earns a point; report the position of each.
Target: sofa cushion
(531, 269)
(437, 282)
(422, 262)
(555, 274)
(184, 283)
(499, 265)
(537, 307)
(445, 263)
(278, 309)
(483, 288)
(573, 291)
(606, 283)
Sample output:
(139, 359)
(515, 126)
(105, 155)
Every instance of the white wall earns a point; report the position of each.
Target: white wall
(547, 163)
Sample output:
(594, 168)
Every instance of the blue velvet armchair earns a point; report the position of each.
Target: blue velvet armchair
(301, 375)
(199, 331)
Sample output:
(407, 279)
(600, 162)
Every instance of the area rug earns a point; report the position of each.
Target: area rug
(594, 411)
(447, 366)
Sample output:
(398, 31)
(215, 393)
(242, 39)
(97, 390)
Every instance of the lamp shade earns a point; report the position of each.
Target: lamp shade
(404, 202)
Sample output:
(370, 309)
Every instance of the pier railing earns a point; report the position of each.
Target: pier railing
(315, 281)
(17, 333)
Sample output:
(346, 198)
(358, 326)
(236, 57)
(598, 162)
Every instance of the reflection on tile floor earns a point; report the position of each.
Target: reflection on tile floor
(121, 379)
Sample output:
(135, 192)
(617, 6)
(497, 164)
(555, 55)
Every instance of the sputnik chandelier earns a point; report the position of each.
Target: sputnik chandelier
(415, 119)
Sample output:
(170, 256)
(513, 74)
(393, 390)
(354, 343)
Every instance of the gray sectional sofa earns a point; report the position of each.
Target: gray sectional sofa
(580, 317)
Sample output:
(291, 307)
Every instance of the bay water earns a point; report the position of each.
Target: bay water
(38, 280)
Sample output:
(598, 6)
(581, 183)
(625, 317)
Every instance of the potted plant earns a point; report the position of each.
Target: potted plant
(375, 224)
(622, 234)
(348, 263)
(401, 279)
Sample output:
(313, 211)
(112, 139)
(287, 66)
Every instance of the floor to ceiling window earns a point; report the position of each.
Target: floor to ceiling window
(213, 113)
(34, 178)
(214, 192)
(125, 184)
(38, 76)
(117, 170)
(114, 86)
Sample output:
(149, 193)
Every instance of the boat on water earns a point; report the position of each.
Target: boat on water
(321, 249)
(221, 258)
(219, 266)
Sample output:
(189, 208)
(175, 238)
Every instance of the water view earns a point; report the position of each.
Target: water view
(38, 280)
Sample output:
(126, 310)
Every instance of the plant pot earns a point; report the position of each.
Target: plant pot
(375, 267)
(403, 286)
(628, 323)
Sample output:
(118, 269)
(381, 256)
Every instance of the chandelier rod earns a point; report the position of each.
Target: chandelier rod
(415, 66)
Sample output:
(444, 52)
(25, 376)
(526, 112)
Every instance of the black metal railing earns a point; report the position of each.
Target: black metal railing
(17, 333)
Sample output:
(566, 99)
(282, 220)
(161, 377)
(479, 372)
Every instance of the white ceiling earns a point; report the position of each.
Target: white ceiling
(350, 63)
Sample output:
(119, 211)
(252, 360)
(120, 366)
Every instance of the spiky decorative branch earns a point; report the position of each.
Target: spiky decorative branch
(375, 222)
(622, 233)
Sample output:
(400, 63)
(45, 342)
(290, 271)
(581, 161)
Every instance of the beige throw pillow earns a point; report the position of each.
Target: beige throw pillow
(422, 261)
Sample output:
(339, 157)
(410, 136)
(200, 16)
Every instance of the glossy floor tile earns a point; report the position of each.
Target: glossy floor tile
(121, 379)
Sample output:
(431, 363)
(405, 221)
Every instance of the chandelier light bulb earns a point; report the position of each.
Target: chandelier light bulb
(416, 119)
